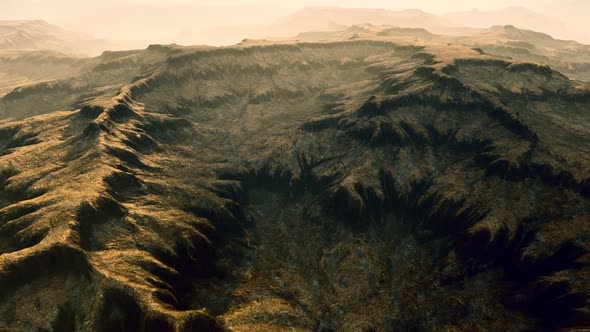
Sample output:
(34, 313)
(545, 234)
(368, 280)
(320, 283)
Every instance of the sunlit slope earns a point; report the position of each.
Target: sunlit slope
(359, 185)
(566, 56)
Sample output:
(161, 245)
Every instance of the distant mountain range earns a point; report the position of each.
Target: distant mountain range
(54, 52)
(518, 16)
(319, 19)
(459, 23)
(36, 35)
(568, 57)
(330, 18)
(40, 35)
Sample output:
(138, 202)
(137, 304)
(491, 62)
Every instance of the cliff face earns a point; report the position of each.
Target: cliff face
(359, 185)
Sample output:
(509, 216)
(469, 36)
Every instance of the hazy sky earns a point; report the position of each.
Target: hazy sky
(166, 20)
(435, 6)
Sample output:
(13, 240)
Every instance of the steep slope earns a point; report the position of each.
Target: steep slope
(34, 51)
(20, 68)
(566, 56)
(358, 185)
(85, 79)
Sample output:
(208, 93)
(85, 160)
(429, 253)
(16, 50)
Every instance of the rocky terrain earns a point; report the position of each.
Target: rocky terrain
(22, 68)
(34, 51)
(566, 56)
(364, 184)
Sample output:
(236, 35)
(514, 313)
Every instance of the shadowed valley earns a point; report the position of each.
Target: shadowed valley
(360, 183)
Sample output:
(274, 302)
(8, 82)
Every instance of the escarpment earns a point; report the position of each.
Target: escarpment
(358, 185)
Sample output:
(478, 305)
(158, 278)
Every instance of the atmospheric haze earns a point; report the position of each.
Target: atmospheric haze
(137, 23)
(336, 165)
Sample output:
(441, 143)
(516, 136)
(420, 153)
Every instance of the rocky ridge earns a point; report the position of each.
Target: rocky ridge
(350, 185)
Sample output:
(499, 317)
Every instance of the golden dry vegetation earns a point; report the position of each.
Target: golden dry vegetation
(372, 184)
